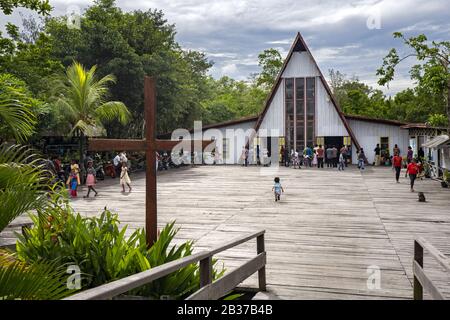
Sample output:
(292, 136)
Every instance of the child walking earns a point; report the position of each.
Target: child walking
(277, 188)
(90, 179)
(73, 182)
(125, 178)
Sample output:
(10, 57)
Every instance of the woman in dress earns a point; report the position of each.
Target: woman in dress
(90, 179)
(125, 178)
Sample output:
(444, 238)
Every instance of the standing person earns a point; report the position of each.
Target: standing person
(310, 153)
(409, 155)
(306, 158)
(320, 155)
(73, 182)
(124, 177)
(397, 165)
(282, 154)
(341, 162)
(258, 161)
(377, 151)
(329, 156)
(123, 158)
(335, 156)
(246, 156)
(361, 159)
(344, 152)
(117, 165)
(315, 161)
(90, 180)
(277, 188)
(412, 170)
(396, 150)
(75, 168)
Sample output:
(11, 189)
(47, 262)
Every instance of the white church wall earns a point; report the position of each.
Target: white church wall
(370, 133)
(300, 65)
(274, 118)
(328, 122)
(234, 136)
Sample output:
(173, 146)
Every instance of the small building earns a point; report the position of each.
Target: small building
(440, 149)
(300, 111)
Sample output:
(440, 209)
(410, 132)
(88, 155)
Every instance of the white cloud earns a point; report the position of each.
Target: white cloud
(234, 32)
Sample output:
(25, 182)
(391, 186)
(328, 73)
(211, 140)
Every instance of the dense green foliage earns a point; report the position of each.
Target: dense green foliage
(104, 252)
(410, 105)
(431, 73)
(41, 6)
(129, 45)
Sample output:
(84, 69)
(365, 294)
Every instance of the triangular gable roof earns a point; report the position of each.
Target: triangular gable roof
(298, 46)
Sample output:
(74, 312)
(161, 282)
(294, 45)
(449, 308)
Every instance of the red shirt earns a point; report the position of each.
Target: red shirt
(397, 161)
(413, 168)
(320, 153)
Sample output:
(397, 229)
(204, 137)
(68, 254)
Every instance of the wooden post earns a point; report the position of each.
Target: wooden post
(206, 272)
(150, 155)
(418, 257)
(261, 272)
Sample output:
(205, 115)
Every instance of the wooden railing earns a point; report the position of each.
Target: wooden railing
(421, 279)
(209, 290)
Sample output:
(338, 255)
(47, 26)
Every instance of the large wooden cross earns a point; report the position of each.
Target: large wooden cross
(151, 145)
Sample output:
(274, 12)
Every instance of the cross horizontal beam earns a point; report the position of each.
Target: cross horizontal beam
(139, 145)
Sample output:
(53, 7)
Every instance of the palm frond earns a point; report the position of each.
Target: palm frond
(18, 117)
(113, 110)
(38, 281)
(22, 183)
(85, 98)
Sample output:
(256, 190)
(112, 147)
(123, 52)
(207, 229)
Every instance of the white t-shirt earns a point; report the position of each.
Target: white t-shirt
(116, 160)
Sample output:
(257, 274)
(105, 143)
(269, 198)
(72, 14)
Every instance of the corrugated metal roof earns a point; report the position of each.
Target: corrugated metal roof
(437, 141)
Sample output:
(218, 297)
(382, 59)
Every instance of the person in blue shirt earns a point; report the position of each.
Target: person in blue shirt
(277, 188)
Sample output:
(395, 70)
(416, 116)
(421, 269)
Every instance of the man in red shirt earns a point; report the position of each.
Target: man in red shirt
(320, 155)
(397, 164)
(412, 170)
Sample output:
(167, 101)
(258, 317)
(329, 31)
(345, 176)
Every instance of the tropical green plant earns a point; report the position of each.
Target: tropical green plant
(23, 187)
(17, 119)
(432, 71)
(22, 183)
(82, 99)
(37, 281)
(437, 120)
(104, 253)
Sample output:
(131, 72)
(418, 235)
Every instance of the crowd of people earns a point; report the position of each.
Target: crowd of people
(317, 156)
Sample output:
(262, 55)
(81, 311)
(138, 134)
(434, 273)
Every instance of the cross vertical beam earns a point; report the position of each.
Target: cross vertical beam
(150, 155)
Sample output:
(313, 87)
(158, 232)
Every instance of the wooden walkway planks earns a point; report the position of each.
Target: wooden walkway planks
(328, 229)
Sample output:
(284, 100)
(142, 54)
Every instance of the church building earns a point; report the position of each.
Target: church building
(301, 110)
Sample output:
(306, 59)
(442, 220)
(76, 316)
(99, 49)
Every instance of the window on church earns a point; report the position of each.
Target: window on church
(300, 112)
(310, 109)
(290, 114)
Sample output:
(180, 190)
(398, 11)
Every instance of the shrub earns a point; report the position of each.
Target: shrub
(104, 253)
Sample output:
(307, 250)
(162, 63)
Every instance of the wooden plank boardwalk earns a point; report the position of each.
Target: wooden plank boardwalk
(329, 228)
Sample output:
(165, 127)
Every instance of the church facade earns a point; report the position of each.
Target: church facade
(301, 111)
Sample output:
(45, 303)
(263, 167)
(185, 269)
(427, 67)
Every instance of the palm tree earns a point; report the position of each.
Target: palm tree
(83, 101)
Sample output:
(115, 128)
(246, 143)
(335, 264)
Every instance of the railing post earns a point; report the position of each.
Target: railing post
(261, 272)
(205, 272)
(418, 257)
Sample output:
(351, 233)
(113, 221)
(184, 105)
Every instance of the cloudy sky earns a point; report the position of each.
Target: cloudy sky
(350, 36)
